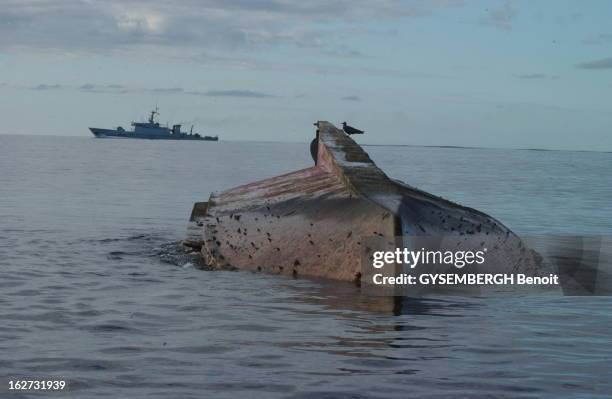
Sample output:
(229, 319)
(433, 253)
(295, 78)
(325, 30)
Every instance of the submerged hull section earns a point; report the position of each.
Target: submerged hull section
(124, 134)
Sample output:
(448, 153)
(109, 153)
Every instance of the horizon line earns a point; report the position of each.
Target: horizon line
(460, 147)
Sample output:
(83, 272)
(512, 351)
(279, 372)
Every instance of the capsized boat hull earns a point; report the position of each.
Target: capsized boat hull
(319, 221)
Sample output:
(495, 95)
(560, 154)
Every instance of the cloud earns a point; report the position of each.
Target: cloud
(231, 93)
(535, 76)
(87, 87)
(140, 22)
(156, 27)
(120, 89)
(604, 63)
(47, 87)
(241, 62)
(501, 17)
(168, 90)
(343, 52)
(602, 38)
(351, 98)
(111, 88)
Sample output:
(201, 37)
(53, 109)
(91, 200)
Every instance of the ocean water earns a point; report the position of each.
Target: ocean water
(94, 288)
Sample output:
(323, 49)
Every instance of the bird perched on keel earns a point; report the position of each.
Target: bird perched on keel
(350, 130)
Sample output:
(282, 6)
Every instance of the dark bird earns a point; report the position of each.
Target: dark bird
(314, 149)
(350, 130)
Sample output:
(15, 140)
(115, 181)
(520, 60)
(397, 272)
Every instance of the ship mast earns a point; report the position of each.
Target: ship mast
(152, 117)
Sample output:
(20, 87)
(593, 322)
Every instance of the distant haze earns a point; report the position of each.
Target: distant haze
(514, 74)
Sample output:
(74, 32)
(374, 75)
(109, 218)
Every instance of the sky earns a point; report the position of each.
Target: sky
(508, 74)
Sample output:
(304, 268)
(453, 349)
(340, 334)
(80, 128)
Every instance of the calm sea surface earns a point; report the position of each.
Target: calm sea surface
(94, 288)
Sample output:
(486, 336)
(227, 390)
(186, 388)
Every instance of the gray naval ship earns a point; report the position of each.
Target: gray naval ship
(150, 130)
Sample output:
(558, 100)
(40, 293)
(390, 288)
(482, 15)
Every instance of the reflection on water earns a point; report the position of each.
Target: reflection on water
(444, 345)
(93, 288)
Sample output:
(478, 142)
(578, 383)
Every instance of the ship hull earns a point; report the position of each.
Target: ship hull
(117, 134)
